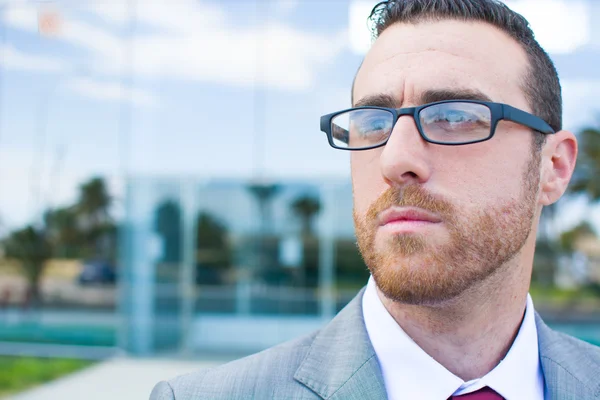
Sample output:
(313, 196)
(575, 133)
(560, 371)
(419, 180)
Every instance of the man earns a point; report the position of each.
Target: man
(458, 147)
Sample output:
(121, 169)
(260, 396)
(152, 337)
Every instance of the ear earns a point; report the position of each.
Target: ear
(559, 156)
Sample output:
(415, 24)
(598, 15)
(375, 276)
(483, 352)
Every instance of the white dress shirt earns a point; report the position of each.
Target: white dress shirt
(410, 373)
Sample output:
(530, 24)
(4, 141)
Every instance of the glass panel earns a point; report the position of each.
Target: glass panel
(351, 273)
(167, 227)
(257, 248)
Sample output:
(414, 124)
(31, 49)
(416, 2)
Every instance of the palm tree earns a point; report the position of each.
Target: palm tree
(264, 194)
(31, 247)
(95, 221)
(306, 207)
(94, 201)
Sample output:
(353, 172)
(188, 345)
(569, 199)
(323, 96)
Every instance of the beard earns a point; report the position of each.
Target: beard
(409, 269)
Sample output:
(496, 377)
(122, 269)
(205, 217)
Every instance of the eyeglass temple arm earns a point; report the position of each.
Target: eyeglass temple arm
(337, 132)
(524, 118)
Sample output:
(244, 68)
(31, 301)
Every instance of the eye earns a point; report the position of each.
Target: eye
(452, 117)
(456, 122)
(373, 124)
(457, 116)
(370, 122)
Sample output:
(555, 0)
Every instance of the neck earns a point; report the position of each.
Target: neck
(471, 334)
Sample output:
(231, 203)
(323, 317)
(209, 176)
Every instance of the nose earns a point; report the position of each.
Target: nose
(404, 157)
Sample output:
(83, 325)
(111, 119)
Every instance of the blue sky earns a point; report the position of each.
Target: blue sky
(197, 77)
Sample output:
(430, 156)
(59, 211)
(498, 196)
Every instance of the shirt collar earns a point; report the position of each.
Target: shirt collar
(409, 372)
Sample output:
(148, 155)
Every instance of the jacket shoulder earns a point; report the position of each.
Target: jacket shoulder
(265, 375)
(571, 366)
(569, 350)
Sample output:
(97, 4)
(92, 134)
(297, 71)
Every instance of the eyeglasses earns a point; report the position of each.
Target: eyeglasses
(450, 122)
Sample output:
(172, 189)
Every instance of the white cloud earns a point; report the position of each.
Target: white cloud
(195, 41)
(176, 17)
(112, 12)
(359, 33)
(198, 43)
(560, 26)
(111, 91)
(13, 58)
(96, 40)
(581, 103)
(275, 56)
(286, 6)
(22, 17)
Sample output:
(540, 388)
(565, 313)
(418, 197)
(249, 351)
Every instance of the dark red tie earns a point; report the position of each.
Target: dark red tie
(482, 394)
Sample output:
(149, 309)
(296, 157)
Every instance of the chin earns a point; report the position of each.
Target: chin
(421, 280)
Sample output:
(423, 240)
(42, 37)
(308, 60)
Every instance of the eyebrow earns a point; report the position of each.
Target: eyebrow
(377, 100)
(429, 96)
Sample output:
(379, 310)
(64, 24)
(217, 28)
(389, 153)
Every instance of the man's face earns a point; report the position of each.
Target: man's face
(433, 220)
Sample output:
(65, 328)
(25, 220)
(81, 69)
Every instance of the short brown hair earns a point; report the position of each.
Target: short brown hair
(540, 85)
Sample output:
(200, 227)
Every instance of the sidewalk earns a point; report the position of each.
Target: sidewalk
(116, 379)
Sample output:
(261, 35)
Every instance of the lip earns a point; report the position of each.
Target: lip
(407, 215)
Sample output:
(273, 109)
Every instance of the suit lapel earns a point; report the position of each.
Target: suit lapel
(341, 363)
(570, 369)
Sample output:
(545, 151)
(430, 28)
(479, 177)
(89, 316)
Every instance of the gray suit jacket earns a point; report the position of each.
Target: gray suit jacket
(338, 362)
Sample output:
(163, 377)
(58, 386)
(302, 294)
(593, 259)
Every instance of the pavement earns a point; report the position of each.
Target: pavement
(116, 379)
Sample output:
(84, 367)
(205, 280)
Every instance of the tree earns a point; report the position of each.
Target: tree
(94, 201)
(3, 230)
(213, 249)
(97, 227)
(568, 239)
(210, 232)
(30, 246)
(306, 208)
(168, 225)
(63, 232)
(586, 179)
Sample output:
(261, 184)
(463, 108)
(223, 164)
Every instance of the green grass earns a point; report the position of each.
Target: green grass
(20, 373)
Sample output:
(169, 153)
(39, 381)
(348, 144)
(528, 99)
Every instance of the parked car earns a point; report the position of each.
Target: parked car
(97, 271)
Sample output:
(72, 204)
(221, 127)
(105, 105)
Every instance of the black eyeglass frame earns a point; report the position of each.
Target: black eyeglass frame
(498, 112)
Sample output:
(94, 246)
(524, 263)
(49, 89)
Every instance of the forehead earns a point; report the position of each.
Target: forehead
(410, 59)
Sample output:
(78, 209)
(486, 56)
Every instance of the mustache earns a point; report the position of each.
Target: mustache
(411, 196)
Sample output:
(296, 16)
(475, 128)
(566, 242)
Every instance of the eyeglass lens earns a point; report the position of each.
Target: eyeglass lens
(453, 122)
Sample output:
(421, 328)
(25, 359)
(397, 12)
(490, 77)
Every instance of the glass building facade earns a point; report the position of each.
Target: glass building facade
(233, 265)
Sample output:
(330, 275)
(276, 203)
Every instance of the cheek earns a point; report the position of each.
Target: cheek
(367, 181)
(486, 176)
